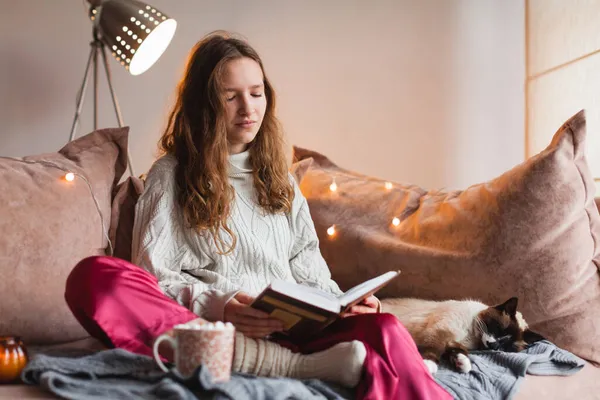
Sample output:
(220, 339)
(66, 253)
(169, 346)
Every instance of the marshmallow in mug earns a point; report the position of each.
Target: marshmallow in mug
(208, 326)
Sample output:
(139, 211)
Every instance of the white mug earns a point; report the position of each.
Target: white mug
(194, 344)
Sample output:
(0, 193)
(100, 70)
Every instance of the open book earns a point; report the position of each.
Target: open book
(305, 310)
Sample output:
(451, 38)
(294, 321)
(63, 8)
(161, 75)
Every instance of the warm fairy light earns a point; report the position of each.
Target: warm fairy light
(69, 176)
(333, 187)
(388, 185)
(331, 230)
(396, 221)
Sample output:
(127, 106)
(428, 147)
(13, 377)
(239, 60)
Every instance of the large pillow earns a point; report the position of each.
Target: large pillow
(48, 224)
(532, 232)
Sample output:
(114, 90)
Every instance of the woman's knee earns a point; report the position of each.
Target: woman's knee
(386, 321)
(86, 271)
(92, 276)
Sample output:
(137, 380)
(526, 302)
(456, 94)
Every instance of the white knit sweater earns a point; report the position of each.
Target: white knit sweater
(186, 263)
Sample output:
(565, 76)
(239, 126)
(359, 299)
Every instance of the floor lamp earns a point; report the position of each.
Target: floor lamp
(136, 34)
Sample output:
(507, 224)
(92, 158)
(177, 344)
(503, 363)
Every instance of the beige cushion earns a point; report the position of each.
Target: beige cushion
(532, 232)
(25, 392)
(299, 168)
(584, 385)
(48, 224)
(125, 198)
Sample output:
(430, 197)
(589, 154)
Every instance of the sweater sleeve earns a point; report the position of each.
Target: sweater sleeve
(306, 262)
(160, 245)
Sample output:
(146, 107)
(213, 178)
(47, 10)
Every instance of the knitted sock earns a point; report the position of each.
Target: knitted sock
(341, 363)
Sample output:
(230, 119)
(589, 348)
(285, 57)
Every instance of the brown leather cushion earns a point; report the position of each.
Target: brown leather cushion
(532, 232)
(48, 224)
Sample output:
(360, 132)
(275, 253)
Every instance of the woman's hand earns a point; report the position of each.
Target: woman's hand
(370, 305)
(247, 320)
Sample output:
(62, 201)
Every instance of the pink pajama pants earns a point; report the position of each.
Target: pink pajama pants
(122, 305)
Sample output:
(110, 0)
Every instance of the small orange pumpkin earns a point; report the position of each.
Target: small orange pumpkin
(13, 358)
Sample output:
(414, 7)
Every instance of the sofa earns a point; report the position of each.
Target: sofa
(533, 232)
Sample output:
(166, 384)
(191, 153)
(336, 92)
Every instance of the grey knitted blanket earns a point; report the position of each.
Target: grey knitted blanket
(497, 375)
(118, 374)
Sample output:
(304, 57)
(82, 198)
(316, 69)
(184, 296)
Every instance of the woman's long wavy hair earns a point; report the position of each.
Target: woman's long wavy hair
(196, 135)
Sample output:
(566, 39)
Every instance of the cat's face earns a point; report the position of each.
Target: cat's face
(502, 327)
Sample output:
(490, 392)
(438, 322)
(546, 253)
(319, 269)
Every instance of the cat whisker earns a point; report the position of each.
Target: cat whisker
(481, 326)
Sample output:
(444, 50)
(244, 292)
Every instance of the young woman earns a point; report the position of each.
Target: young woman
(220, 218)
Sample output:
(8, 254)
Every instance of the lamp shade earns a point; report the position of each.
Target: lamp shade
(135, 32)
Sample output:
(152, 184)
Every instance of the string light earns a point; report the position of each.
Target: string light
(331, 231)
(333, 187)
(70, 176)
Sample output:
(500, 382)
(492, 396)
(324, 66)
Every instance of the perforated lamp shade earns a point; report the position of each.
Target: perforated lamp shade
(135, 32)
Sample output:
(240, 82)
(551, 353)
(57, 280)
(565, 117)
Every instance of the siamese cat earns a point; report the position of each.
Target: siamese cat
(448, 330)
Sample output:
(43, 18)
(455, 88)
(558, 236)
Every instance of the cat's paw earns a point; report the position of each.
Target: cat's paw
(462, 363)
(431, 366)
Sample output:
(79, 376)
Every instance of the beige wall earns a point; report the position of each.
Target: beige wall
(563, 67)
(427, 92)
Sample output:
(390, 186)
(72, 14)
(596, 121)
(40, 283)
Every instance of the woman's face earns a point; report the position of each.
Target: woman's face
(245, 102)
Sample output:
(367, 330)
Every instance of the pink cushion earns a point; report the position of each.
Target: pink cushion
(532, 232)
(48, 224)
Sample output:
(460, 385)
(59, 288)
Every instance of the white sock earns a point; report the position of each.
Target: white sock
(341, 363)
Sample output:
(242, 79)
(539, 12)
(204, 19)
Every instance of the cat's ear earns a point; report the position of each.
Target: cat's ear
(509, 306)
(531, 337)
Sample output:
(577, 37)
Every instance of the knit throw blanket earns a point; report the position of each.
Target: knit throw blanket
(119, 374)
(497, 375)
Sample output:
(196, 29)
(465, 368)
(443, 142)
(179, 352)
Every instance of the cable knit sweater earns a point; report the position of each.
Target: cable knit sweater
(186, 262)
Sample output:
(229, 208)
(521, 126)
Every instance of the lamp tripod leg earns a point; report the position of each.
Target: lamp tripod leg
(82, 93)
(115, 102)
(96, 50)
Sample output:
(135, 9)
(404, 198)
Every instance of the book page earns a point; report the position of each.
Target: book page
(307, 294)
(361, 291)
